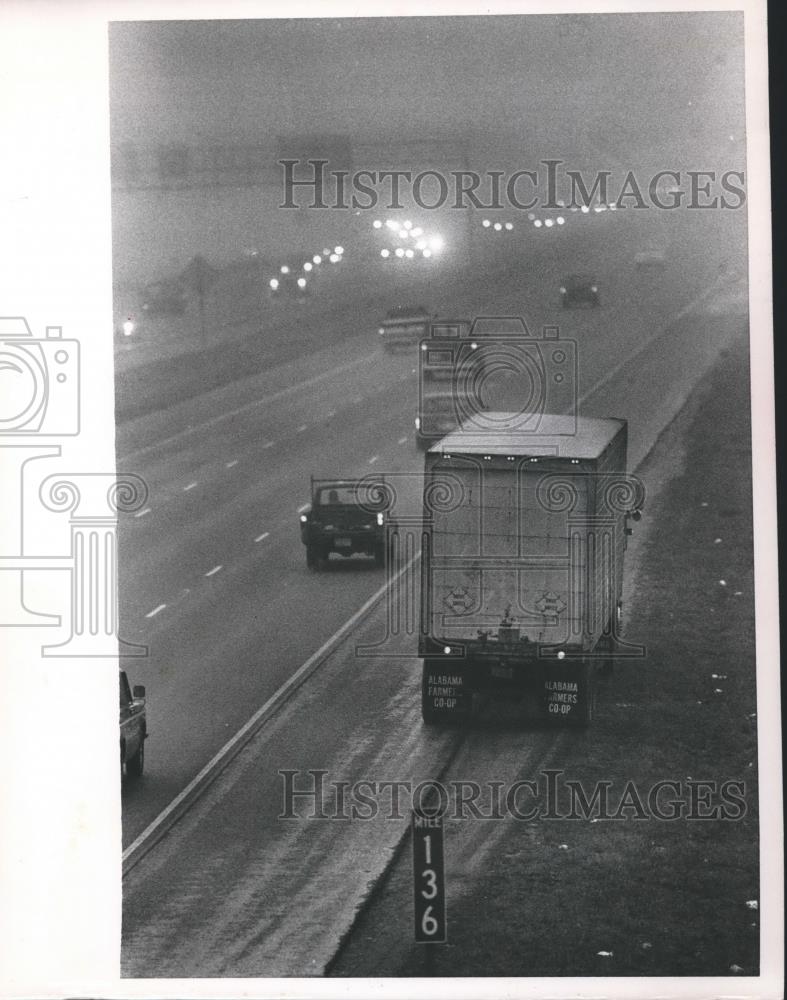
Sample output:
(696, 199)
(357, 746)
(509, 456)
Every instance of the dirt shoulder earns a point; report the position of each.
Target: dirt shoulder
(636, 893)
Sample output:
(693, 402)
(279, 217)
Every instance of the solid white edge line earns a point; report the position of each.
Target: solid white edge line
(641, 348)
(247, 731)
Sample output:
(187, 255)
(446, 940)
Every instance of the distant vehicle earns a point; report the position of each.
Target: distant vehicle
(403, 326)
(436, 417)
(165, 298)
(291, 285)
(653, 257)
(579, 288)
(127, 326)
(346, 517)
(507, 605)
(133, 728)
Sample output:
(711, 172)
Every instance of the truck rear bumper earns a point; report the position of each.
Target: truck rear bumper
(565, 688)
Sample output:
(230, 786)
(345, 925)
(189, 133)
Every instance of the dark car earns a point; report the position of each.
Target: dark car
(165, 298)
(133, 728)
(404, 326)
(345, 517)
(578, 289)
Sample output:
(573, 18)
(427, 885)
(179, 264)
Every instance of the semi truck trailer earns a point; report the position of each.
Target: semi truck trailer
(524, 532)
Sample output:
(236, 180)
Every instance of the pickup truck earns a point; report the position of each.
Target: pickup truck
(345, 517)
(133, 728)
(522, 563)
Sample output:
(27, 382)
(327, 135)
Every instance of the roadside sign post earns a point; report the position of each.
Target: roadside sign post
(429, 883)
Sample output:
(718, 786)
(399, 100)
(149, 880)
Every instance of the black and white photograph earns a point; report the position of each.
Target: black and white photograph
(388, 412)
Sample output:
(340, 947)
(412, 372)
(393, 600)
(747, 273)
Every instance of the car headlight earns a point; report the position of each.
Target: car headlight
(128, 328)
(418, 423)
(380, 518)
(304, 519)
(381, 331)
(593, 288)
(562, 290)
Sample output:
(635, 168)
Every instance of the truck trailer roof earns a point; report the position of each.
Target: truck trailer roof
(499, 433)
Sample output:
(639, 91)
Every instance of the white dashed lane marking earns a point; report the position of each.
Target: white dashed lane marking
(302, 508)
(229, 465)
(302, 428)
(189, 487)
(403, 440)
(259, 538)
(214, 570)
(142, 513)
(155, 611)
(269, 444)
(373, 459)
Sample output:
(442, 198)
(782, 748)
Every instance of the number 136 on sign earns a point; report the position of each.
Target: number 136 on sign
(428, 879)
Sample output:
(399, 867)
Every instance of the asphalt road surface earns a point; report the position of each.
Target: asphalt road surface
(235, 889)
(212, 572)
(213, 577)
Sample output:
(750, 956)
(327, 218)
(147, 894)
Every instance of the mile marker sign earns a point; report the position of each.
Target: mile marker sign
(428, 879)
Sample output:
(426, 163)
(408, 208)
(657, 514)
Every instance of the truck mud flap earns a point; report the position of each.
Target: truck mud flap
(446, 696)
(568, 691)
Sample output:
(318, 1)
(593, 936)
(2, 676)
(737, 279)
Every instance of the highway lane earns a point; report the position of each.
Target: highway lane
(224, 642)
(235, 889)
